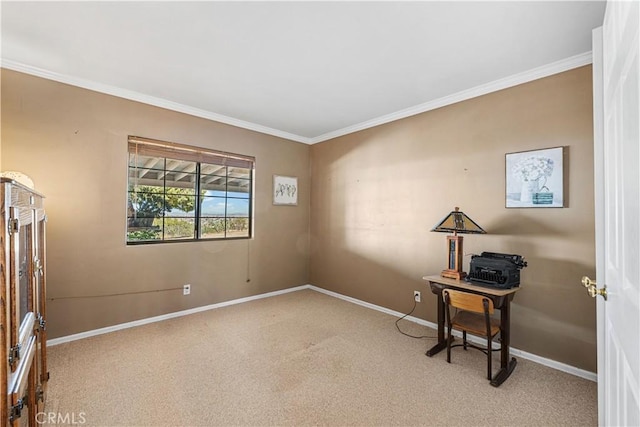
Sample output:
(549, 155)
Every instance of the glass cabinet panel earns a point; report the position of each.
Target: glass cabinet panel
(23, 373)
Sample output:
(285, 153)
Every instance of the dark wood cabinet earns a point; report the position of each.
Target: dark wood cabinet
(23, 345)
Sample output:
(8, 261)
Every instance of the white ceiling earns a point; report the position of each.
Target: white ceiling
(307, 71)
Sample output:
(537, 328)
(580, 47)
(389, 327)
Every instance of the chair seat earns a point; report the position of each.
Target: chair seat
(473, 315)
(474, 323)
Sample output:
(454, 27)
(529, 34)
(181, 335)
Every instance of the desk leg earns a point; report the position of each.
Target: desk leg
(442, 343)
(506, 366)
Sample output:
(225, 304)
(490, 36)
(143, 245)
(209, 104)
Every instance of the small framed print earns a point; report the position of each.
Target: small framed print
(285, 190)
(534, 179)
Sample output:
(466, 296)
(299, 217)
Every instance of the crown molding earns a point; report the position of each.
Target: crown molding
(507, 82)
(146, 99)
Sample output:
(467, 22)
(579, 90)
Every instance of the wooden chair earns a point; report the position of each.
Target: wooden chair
(473, 315)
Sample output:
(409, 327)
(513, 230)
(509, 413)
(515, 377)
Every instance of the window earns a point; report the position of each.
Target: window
(182, 193)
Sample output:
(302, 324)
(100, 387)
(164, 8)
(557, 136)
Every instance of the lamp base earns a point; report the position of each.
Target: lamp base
(453, 274)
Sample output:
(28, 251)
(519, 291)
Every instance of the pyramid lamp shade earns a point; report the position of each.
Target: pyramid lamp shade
(456, 222)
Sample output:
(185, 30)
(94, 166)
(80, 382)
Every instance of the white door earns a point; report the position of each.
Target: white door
(617, 165)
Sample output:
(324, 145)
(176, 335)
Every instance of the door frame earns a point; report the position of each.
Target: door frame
(598, 165)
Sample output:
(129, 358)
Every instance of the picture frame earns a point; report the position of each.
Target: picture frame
(285, 190)
(535, 178)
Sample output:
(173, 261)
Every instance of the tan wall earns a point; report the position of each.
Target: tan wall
(73, 143)
(377, 193)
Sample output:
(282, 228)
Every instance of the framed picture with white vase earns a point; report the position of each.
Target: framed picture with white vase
(534, 179)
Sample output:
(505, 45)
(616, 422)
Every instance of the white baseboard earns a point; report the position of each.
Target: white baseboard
(374, 307)
(141, 322)
(514, 351)
(592, 376)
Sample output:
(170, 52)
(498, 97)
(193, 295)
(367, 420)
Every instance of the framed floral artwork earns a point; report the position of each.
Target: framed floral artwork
(285, 190)
(534, 179)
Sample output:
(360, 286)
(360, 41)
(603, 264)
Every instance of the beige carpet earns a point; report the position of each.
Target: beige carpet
(302, 358)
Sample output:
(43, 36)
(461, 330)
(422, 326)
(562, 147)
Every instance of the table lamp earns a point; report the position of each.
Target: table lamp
(456, 222)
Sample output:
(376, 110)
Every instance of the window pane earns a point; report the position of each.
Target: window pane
(213, 183)
(145, 177)
(181, 180)
(143, 228)
(213, 206)
(237, 227)
(238, 187)
(179, 228)
(239, 173)
(144, 234)
(146, 204)
(138, 188)
(211, 170)
(237, 207)
(216, 193)
(179, 204)
(211, 228)
(180, 174)
(145, 171)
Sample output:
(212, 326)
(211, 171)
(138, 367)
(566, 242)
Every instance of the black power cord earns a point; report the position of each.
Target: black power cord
(415, 304)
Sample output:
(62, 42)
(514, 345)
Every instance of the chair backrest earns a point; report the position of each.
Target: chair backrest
(467, 301)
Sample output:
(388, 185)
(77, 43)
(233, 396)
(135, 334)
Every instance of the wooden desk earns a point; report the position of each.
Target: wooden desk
(501, 300)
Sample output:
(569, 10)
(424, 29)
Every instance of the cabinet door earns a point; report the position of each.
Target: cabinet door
(22, 317)
(21, 310)
(41, 374)
(23, 373)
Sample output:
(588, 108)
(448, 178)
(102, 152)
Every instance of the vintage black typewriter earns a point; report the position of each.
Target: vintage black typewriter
(496, 270)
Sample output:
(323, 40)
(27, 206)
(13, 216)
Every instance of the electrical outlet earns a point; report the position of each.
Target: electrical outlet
(416, 296)
(186, 289)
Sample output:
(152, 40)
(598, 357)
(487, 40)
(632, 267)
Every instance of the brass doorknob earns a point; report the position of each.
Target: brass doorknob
(592, 289)
(594, 292)
(588, 282)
